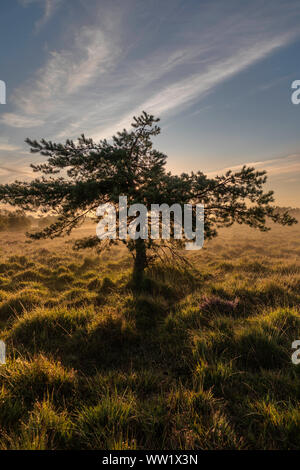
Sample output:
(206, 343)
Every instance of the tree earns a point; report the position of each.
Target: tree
(78, 177)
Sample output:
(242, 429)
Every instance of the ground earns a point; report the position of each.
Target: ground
(199, 359)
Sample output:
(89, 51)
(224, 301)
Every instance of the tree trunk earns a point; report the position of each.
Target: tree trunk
(140, 261)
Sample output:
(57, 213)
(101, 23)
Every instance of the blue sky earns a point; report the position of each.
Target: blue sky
(218, 73)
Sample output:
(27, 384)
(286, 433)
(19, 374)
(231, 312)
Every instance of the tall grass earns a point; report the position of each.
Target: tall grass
(199, 358)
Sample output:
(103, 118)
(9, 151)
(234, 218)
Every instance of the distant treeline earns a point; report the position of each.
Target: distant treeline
(18, 220)
(15, 220)
(294, 211)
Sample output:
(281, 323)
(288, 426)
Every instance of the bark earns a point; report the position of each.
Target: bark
(140, 261)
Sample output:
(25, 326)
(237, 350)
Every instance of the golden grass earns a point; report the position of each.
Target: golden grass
(200, 359)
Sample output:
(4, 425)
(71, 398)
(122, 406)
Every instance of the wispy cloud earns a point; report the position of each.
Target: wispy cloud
(283, 177)
(6, 146)
(276, 167)
(106, 71)
(13, 170)
(19, 120)
(98, 83)
(50, 7)
(53, 91)
(198, 84)
(183, 92)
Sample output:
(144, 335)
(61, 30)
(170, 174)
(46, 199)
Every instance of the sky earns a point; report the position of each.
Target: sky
(217, 73)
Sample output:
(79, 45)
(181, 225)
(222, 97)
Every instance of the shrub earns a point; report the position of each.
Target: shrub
(217, 304)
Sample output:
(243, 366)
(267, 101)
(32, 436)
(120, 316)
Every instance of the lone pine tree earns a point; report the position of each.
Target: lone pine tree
(78, 177)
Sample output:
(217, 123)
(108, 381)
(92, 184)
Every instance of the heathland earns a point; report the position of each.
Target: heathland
(198, 358)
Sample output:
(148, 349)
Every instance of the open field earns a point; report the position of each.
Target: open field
(200, 359)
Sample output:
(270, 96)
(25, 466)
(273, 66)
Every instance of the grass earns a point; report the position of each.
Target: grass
(200, 358)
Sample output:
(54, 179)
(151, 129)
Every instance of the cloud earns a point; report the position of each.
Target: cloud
(18, 169)
(276, 167)
(283, 176)
(53, 91)
(8, 147)
(109, 72)
(17, 120)
(50, 8)
(14, 171)
(199, 84)
(188, 90)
